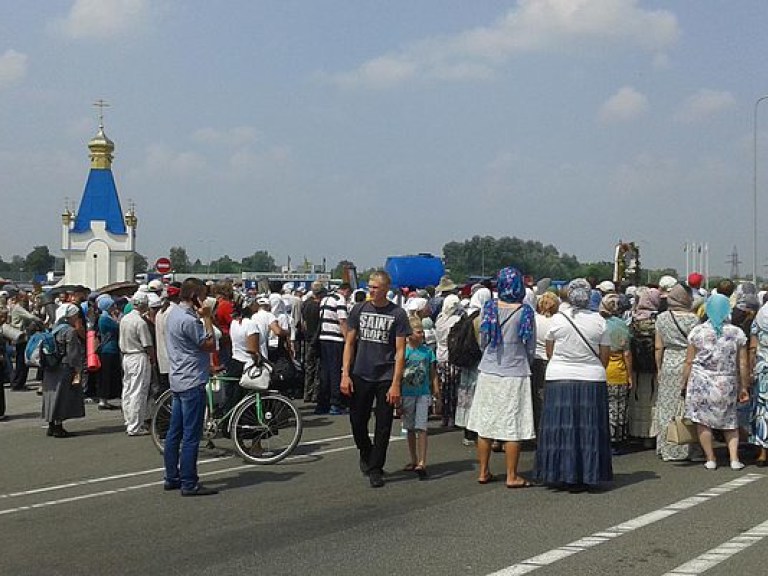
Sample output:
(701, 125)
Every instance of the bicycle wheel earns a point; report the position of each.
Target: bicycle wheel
(266, 429)
(161, 419)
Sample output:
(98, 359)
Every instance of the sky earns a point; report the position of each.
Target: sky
(360, 129)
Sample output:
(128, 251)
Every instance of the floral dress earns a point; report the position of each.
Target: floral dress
(759, 421)
(675, 343)
(713, 385)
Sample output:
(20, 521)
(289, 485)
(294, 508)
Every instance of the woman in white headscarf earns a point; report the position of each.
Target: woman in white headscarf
(468, 379)
(62, 384)
(448, 374)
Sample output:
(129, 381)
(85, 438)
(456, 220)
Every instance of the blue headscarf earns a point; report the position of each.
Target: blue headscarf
(511, 290)
(718, 310)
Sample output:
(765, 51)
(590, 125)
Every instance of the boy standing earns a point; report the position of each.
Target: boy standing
(419, 384)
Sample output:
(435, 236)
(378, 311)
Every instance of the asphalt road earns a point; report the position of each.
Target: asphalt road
(93, 504)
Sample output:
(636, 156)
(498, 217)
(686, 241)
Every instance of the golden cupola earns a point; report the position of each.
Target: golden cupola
(101, 149)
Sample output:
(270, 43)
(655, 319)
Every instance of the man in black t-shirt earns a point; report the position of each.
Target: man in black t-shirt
(310, 320)
(376, 333)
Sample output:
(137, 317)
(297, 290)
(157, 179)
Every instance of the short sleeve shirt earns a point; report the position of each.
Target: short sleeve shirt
(134, 335)
(572, 358)
(377, 330)
(418, 369)
(184, 338)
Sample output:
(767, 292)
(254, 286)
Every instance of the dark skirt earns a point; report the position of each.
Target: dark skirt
(109, 380)
(574, 443)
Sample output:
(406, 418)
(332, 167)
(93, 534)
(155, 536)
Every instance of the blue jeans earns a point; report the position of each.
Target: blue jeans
(185, 430)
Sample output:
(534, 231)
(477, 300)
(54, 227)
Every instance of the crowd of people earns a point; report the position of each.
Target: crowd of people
(583, 370)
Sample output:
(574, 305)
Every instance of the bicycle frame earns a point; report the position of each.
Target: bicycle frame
(214, 380)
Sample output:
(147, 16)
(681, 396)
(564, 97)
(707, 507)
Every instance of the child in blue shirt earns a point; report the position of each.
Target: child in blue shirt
(418, 385)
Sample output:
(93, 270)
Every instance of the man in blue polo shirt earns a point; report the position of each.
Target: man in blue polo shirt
(189, 340)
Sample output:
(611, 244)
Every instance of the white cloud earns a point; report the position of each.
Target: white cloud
(13, 67)
(705, 104)
(627, 104)
(533, 25)
(103, 19)
(237, 136)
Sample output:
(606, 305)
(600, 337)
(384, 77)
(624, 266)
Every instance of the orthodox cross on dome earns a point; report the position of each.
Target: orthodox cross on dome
(101, 105)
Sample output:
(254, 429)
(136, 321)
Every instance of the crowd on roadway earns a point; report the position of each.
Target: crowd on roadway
(585, 370)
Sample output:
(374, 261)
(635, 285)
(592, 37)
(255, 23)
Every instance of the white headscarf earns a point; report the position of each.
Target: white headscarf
(450, 307)
(276, 305)
(413, 305)
(479, 299)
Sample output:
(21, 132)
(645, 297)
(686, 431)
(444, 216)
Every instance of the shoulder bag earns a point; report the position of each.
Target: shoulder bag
(595, 352)
(681, 430)
(256, 376)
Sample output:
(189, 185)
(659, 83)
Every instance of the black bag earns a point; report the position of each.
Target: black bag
(463, 349)
(285, 375)
(642, 345)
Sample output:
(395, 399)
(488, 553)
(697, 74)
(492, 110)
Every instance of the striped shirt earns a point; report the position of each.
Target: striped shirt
(333, 309)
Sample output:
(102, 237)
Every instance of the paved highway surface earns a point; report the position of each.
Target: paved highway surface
(93, 504)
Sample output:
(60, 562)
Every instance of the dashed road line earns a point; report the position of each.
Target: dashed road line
(721, 553)
(557, 554)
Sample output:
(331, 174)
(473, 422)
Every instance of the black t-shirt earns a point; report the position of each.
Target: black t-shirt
(310, 313)
(377, 329)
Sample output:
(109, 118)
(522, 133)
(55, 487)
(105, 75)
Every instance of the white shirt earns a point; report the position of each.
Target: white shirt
(239, 331)
(542, 327)
(262, 320)
(572, 359)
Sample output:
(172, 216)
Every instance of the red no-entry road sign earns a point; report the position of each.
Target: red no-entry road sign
(163, 265)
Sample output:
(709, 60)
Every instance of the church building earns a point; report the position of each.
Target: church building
(98, 241)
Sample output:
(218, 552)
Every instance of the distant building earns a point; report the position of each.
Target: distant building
(98, 241)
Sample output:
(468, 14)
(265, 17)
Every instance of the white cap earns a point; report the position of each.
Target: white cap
(666, 283)
(154, 300)
(155, 285)
(606, 286)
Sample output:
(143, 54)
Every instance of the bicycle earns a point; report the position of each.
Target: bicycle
(264, 426)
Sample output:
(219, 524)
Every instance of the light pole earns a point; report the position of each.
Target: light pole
(754, 198)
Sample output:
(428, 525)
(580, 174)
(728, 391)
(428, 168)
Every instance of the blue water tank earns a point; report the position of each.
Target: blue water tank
(416, 271)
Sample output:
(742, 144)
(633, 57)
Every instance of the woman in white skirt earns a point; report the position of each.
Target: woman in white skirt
(502, 408)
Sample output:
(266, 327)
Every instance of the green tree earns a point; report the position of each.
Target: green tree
(180, 260)
(39, 261)
(140, 264)
(225, 265)
(259, 261)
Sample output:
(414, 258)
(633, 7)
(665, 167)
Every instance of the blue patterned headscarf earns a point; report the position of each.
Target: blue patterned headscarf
(718, 311)
(511, 290)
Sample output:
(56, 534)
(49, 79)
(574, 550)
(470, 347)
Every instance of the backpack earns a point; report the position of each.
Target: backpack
(44, 350)
(642, 346)
(463, 349)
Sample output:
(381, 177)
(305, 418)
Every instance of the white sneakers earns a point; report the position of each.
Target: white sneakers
(712, 465)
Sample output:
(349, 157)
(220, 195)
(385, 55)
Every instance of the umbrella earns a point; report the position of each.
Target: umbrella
(125, 288)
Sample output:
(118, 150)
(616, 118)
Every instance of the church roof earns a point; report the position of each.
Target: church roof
(100, 202)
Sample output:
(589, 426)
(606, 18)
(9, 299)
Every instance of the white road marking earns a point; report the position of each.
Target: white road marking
(152, 471)
(721, 553)
(56, 502)
(557, 554)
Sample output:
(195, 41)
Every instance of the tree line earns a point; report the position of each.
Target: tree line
(477, 256)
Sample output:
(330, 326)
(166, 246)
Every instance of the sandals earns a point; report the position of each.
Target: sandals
(487, 479)
(421, 472)
(524, 484)
(409, 468)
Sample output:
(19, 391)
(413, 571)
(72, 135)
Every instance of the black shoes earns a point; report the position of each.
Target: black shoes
(108, 407)
(170, 486)
(199, 490)
(376, 479)
(364, 468)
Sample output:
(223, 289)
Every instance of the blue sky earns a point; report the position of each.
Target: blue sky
(363, 129)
